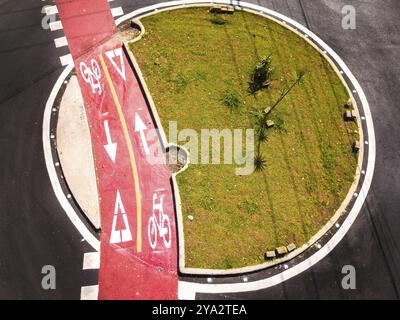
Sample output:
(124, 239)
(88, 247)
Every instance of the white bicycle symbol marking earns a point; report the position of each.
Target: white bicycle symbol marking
(159, 226)
(92, 75)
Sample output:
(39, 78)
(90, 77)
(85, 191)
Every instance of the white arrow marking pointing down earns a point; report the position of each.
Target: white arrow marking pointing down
(140, 127)
(111, 147)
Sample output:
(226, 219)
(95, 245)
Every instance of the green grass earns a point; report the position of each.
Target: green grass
(198, 71)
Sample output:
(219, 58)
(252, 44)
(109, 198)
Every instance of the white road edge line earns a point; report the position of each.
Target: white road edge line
(116, 12)
(90, 292)
(56, 25)
(65, 204)
(50, 10)
(91, 260)
(66, 60)
(61, 42)
(188, 290)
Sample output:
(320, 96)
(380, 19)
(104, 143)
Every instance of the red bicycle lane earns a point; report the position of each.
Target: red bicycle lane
(86, 24)
(138, 258)
(153, 262)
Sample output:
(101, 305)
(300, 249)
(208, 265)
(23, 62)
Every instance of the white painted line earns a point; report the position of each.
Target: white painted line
(188, 290)
(90, 293)
(50, 10)
(61, 42)
(91, 260)
(56, 25)
(65, 204)
(185, 291)
(116, 12)
(66, 60)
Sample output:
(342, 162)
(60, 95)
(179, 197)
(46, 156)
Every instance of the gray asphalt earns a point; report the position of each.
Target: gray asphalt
(35, 231)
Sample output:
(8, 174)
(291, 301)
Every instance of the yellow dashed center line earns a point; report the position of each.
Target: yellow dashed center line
(131, 155)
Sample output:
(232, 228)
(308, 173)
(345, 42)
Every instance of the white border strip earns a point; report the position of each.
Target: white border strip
(188, 290)
(56, 25)
(66, 60)
(91, 260)
(90, 292)
(61, 42)
(116, 12)
(51, 10)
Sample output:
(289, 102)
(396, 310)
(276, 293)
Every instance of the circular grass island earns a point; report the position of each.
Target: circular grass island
(199, 68)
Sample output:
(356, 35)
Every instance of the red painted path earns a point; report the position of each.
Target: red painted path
(138, 239)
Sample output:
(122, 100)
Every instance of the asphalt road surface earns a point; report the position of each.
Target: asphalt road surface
(34, 230)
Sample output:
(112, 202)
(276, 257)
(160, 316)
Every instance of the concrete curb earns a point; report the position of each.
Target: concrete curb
(174, 5)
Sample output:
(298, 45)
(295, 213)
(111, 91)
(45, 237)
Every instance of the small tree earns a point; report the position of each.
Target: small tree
(259, 162)
(286, 91)
(261, 75)
(261, 121)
